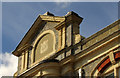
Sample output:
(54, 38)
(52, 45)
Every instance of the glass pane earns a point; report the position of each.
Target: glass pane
(110, 75)
(119, 72)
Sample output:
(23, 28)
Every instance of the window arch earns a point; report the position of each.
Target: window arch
(106, 68)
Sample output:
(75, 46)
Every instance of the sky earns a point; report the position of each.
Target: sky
(18, 17)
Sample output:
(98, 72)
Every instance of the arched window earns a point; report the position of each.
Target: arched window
(107, 68)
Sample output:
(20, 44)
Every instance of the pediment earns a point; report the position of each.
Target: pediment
(41, 24)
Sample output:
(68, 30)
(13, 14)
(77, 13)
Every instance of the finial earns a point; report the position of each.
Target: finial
(71, 13)
(48, 13)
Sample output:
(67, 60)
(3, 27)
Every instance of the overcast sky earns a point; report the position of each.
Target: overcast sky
(17, 18)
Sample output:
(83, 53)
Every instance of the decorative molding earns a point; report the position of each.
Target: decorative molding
(106, 62)
(111, 56)
(103, 65)
(35, 45)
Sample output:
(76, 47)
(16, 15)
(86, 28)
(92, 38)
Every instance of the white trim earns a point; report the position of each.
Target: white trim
(80, 73)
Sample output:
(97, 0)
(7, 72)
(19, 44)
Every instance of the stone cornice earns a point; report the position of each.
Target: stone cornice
(35, 26)
(70, 18)
(103, 30)
(21, 49)
(52, 18)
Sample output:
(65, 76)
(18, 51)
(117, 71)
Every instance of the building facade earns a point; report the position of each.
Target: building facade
(53, 47)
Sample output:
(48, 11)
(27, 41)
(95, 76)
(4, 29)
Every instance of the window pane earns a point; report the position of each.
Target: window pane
(119, 72)
(110, 75)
